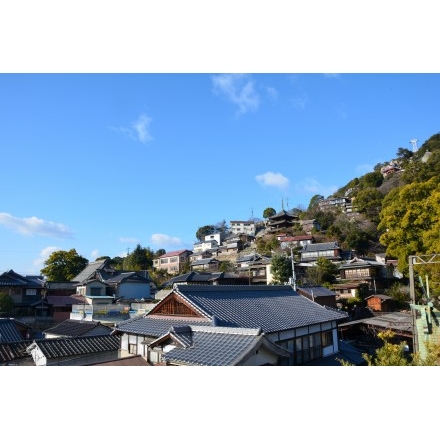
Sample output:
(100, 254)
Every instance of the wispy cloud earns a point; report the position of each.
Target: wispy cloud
(273, 179)
(141, 127)
(239, 89)
(300, 101)
(139, 130)
(94, 255)
(272, 92)
(312, 186)
(34, 226)
(165, 241)
(44, 255)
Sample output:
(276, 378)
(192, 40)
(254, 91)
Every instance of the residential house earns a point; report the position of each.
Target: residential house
(256, 267)
(84, 350)
(199, 256)
(99, 279)
(215, 346)
(330, 250)
(26, 293)
(304, 328)
(209, 264)
(247, 227)
(72, 328)
(206, 278)
(343, 204)
(61, 306)
(287, 242)
(367, 271)
(173, 262)
(201, 246)
(319, 294)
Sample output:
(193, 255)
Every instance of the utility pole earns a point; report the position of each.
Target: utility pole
(293, 270)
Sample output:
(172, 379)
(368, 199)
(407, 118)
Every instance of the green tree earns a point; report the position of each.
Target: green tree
(409, 221)
(281, 269)
(269, 212)
(371, 180)
(63, 265)
(140, 259)
(389, 354)
(6, 304)
(203, 231)
(368, 201)
(226, 266)
(324, 271)
(314, 201)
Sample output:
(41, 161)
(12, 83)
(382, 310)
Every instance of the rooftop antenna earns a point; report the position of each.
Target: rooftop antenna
(282, 204)
(413, 142)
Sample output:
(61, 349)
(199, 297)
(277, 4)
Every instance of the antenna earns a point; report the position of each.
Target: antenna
(413, 142)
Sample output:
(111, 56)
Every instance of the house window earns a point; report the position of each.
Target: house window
(31, 292)
(95, 291)
(132, 348)
(163, 260)
(173, 260)
(308, 348)
(327, 338)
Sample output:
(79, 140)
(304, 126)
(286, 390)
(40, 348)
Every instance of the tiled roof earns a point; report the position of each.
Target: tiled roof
(203, 261)
(175, 253)
(320, 246)
(155, 326)
(212, 346)
(201, 277)
(73, 328)
(12, 278)
(90, 270)
(317, 291)
(131, 361)
(64, 347)
(273, 308)
(13, 351)
(8, 331)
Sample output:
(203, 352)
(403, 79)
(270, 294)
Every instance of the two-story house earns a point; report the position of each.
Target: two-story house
(242, 227)
(174, 261)
(330, 250)
(307, 330)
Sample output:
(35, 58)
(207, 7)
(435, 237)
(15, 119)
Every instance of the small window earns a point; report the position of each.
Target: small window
(132, 348)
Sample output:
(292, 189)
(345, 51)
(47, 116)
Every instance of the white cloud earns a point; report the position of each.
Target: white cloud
(34, 226)
(94, 255)
(273, 179)
(239, 89)
(141, 127)
(272, 92)
(44, 255)
(312, 186)
(300, 101)
(165, 241)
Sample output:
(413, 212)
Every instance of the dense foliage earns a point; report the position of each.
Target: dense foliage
(63, 265)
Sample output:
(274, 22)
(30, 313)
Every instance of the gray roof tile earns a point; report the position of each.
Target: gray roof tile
(273, 308)
(64, 347)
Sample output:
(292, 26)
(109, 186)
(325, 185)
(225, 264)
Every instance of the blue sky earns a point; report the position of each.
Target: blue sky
(102, 162)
